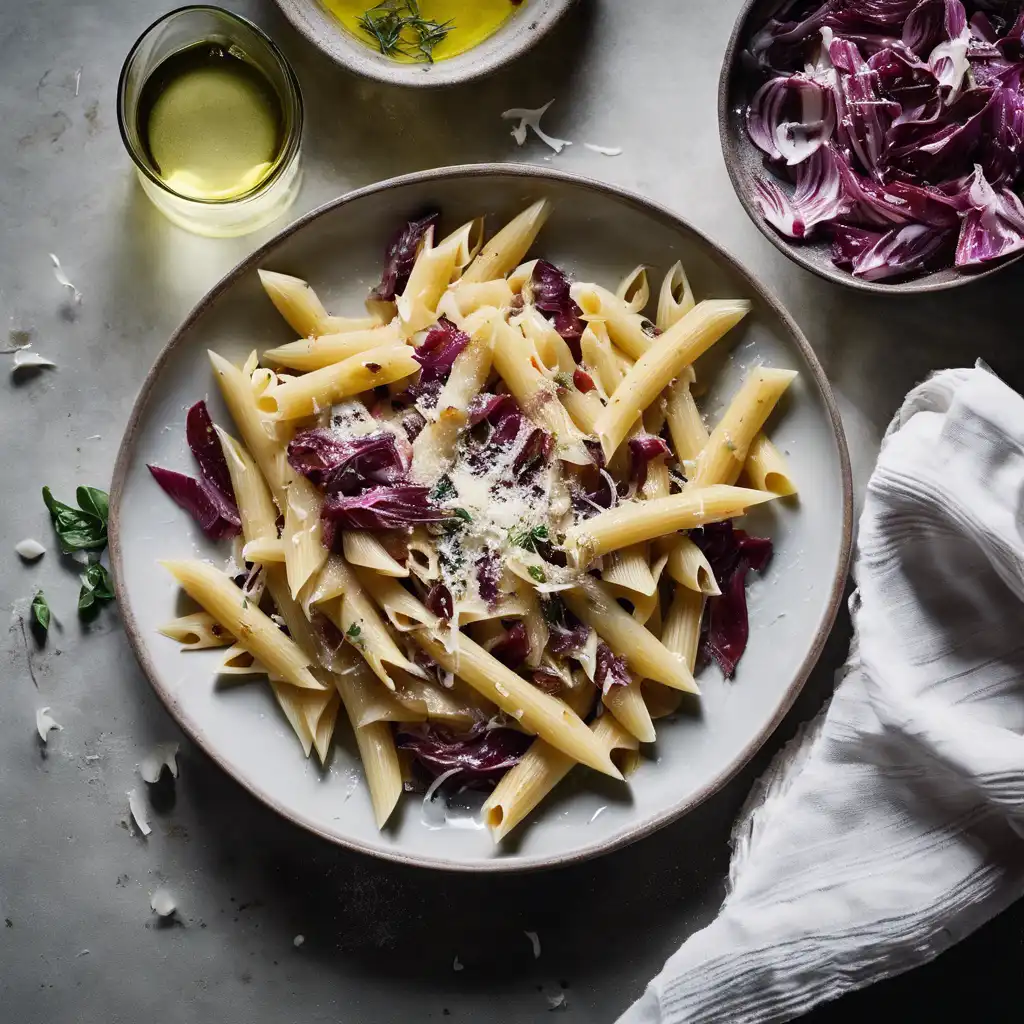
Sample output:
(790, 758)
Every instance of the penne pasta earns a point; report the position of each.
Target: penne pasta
(626, 703)
(645, 655)
(422, 560)
(324, 732)
(296, 301)
(322, 350)
(267, 549)
(630, 331)
(522, 276)
(722, 458)
(685, 423)
(362, 548)
(767, 469)
(468, 297)
(504, 251)
(675, 299)
(634, 289)
(319, 389)
(402, 609)
(688, 565)
(680, 633)
(197, 632)
(666, 358)
(636, 521)
(629, 569)
(468, 239)
(428, 280)
(237, 661)
(302, 539)
(218, 595)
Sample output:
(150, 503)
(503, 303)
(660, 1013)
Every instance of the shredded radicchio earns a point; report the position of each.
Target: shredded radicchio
(643, 448)
(611, 669)
(564, 641)
(349, 465)
(436, 354)
(210, 500)
(895, 128)
(550, 289)
(401, 255)
(731, 554)
(383, 508)
(488, 575)
(479, 756)
(439, 602)
(513, 647)
(501, 412)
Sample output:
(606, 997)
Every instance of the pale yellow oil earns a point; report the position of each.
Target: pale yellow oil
(211, 123)
(472, 21)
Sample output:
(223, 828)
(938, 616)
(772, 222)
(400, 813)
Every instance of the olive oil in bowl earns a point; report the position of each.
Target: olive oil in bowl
(210, 123)
(211, 114)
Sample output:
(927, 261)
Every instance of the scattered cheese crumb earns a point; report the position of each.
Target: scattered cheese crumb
(163, 755)
(138, 809)
(162, 903)
(45, 724)
(26, 359)
(554, 1002)
(603, 150)
(456, 964)
(30, 549)
(84, 952)
(298, 940)
(535, 942)
(78, 82)
(531, 119)
(597, 814)
(62, 279)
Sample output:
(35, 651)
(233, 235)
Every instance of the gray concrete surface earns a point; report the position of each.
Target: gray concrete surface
(78, 943)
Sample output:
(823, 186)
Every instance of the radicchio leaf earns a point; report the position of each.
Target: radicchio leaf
(642, 449)
(611, 669)
(547, 680)
(502, 412)
(488, 575)
(349, 465)
(401, 255)
(383, 508)
(216, 515)
(513, 647)
(439, 602)
(582, 381)
(564, 641)
(818, 196)
(791, 117)
(550, 288)
(436, 354)
(993, 226)
(479, 756)
(206, 448)
(536, 450)
(903, 251)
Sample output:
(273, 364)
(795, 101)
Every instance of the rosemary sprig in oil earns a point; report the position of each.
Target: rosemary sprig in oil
(399, 30)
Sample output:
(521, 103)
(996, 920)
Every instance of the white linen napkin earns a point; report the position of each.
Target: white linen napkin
(893, 827)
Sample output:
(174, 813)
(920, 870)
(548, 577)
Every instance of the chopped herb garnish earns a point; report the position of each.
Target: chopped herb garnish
(537, 574)
(354, 632)
(530, 538)
(80, 529)
(553, 611)
(399, 30)
(443, 490)
(97, 588)
(40, 612)
(461, 513)
(563, 380)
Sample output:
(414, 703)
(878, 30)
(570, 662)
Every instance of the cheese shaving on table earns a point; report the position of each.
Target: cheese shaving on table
(603, 150)
(162, 903)
(25, 359)
(554, 1002)
(138, 809)
(531, 119)
(298, 940)
(30, 549)
(535, 942)
(45, 724)
(456, 964)
(163, 755)
(64, 280)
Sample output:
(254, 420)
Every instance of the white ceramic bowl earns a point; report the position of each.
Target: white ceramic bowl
(516, 35)
(596, 233)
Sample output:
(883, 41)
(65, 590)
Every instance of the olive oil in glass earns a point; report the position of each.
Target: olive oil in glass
(210, 123)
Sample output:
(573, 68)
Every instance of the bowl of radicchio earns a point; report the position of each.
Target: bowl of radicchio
(878, 142)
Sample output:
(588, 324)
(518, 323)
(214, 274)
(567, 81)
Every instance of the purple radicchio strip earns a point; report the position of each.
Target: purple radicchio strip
(439, 602)
(350, 465)
(643, 448)
(216, 515)
(513, 647)
(383, 508)
(818, 196)
(789, 118)
(502, 412)
(488, 575)
(479, 756)
(611, 669)
(436, 355)
(550, 290)
(401, 255)
(565, 641)
(206, 448)
(994, 225)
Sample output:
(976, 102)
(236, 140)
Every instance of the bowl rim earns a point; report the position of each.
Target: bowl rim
(629, 835)
(451, 71)
(731, 147)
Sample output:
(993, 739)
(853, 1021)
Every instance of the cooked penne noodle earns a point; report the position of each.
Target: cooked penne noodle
(688, 565)
(516, 360)
(606, 370)
(645, 655)
(685, 423)
(634, 289)
(257, 434)
(670, 353)
(522, 276)
(626, 703)
(541, 714)
(403, 610)
(427, 282)
(630, 331)
(509, 245)
(722, 458)
(680, 633)
(266, 549)
(295, 712)
(468, 297)
(767, 469)
(325, 727)
(362, 548)
(326, 349)
(218, 595)
(630, 570)
(251, 364)
(304, 551)
(675, 299)
(554, 353)
(422, 560)
(450, 707)
(319, 389)
(468, 240)
(636, 521)
(237, 661)
(197, 631)
(296, 301)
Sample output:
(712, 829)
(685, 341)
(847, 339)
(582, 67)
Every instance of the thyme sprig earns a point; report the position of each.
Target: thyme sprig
(399, 30)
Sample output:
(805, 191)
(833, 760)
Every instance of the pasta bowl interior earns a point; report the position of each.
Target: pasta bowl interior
(460, 540)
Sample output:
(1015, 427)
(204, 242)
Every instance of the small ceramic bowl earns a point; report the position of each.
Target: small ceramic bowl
(744, 163)
(527, 24)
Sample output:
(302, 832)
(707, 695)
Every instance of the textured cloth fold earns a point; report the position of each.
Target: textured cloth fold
(893, 827)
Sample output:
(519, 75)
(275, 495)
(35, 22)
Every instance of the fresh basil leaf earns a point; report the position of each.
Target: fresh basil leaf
(94, 501)
(41, 612)
(97, 586)
(77, 529)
